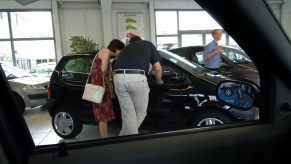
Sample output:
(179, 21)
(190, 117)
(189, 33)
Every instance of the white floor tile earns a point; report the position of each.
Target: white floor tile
(40, 126)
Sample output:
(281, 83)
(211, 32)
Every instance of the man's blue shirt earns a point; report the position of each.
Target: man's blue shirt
(214, 61)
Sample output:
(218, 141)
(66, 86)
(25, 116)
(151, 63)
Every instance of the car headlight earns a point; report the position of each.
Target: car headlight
(32, 87)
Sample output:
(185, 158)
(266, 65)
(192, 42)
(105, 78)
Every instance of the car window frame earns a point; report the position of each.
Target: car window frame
(107, 142)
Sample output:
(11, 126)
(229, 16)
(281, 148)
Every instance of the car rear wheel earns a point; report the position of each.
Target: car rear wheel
(66, 124)
(209, 118)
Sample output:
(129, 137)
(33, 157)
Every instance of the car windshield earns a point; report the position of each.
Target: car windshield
(12, 72)
(180, 61)
(42, 69)
(236, 56)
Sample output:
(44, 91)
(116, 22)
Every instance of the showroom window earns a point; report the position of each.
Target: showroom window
(186, 28)
(26, 38)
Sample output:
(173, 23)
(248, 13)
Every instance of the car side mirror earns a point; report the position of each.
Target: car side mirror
(238, 93)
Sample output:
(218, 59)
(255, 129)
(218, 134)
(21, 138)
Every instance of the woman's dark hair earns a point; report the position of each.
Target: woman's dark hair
(115, 44)
(134, 39)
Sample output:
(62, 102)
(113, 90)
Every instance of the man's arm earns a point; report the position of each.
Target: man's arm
(158, 73)
(212, 53)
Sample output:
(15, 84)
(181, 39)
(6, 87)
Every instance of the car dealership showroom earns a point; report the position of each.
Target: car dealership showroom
(47, 49)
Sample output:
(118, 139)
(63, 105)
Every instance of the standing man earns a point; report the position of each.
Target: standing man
(211, 53)
(130, 81)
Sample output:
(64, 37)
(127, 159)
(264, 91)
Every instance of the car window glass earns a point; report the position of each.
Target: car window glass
(200, 57)
(230, 55)
(235, 56)
(241, 58)
(76, 69)
(172, 75)
(187, 97)
(14, 72)
(41, 70)
(49, 70)
(33, 70)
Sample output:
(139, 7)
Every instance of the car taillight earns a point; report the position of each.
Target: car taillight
(49, 92)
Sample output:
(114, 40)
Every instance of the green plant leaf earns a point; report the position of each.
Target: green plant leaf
(80, 44)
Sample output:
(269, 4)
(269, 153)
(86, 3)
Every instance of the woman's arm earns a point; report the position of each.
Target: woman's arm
(104, 56)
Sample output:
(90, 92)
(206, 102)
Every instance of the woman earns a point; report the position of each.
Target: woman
(101, 72)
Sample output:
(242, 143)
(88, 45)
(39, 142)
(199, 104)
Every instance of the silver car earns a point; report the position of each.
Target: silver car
(43, 69)
(28, 90)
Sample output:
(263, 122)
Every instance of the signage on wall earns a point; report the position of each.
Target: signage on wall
(130, 24)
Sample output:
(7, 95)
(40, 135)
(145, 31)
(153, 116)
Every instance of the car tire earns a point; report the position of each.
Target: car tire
(209, 118)
(20, 102)
(66, 124)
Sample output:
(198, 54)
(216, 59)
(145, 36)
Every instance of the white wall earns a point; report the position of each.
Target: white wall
(141, 8)
(10, 4)
(79, 19)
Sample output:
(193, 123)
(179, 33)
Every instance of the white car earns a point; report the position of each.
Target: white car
(28, 90)
(43, 69)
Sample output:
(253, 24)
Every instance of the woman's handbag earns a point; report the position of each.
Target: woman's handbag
(92, 92)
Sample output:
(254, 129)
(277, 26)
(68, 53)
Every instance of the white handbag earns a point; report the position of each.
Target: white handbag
(92, 92)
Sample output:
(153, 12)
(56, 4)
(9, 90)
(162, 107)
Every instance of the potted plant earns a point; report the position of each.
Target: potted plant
(82, 45)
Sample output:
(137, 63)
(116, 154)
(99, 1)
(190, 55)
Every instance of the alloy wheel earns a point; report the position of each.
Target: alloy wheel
(209, 122)
(64, 123)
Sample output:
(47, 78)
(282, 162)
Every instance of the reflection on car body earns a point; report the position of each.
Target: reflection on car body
(29, 91)
(187, 98)
(235, 63)
(239, 94)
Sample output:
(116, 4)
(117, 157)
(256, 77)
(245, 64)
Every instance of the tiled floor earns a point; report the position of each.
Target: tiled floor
(40, 126)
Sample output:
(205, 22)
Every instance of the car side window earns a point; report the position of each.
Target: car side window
(173, 77)
(241, 58)
(34, 70)
(199, 56)
(41, 70)
(231, 55)
(48, 70)
(5, 72)
(76, 69)
(236, 57)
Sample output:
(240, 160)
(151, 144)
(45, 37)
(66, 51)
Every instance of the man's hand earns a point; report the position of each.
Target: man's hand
(159, 82)
(218, 49)
(158, 73)
(212, 53)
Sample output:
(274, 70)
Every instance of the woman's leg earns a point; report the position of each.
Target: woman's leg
(103, 129)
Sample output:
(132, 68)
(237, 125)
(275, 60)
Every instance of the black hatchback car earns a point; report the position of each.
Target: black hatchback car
(187, 98)
(235, 63)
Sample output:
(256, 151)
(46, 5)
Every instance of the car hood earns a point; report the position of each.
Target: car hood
(36, 81)
(246, 74)
(211, 76)
(247, 65)
(195, 69)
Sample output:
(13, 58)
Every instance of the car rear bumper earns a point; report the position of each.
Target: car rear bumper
(33, 97)
(32, 102)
